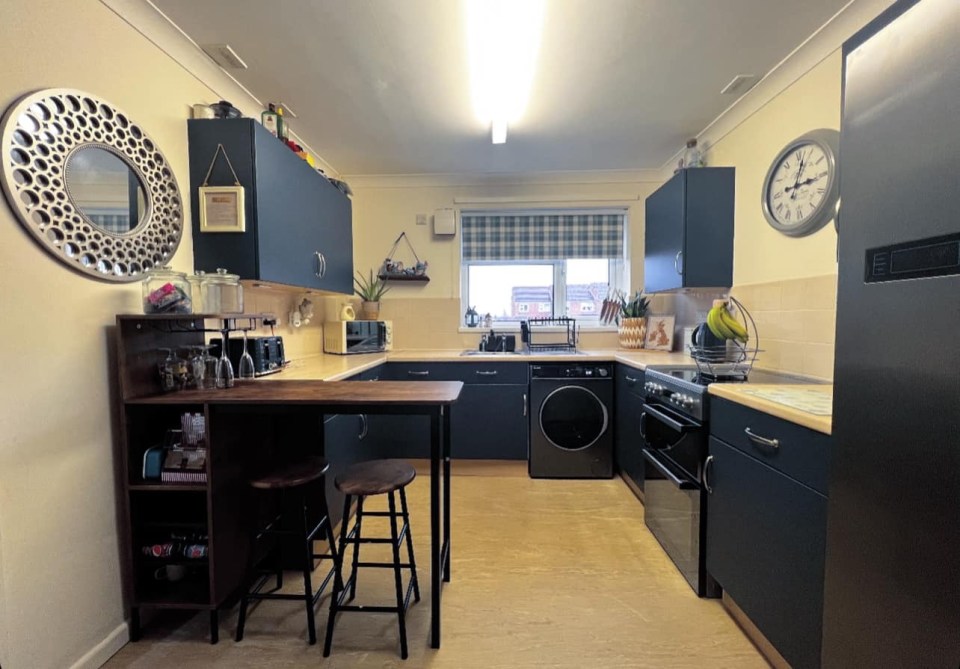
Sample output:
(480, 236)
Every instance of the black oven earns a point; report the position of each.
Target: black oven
(675, 447)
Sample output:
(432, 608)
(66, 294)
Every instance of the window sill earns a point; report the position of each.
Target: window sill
(515, 329)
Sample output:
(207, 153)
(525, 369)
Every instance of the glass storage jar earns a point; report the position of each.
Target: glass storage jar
(223, 293)
(197, 279)
(166, 292)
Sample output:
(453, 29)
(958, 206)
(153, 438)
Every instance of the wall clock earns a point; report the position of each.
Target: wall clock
(801, 190)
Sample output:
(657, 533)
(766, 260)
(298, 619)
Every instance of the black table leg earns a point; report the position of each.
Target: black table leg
(436, 568)
(446, 494)
(214, 626)
(134, 623)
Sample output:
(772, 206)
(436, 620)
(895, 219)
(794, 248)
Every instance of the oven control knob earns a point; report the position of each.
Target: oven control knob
(602, 372)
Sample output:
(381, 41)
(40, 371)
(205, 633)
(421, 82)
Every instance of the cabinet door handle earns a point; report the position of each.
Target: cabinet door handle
(411, 373)
(482, 373)
(761, 441)
(323, 265)
(643, 426)
(319, 271)
(524, 404)
(706, 474)
(376, 378)
(677, 262)
(364, 426)
(630, 380)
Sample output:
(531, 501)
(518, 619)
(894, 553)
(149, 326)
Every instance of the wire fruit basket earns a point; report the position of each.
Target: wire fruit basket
(734, 359)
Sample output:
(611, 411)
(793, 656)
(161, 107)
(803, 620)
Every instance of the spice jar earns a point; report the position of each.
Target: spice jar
(166, 292)
(222, 293)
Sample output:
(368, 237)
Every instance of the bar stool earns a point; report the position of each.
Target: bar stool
(362, 480)
(290, 479)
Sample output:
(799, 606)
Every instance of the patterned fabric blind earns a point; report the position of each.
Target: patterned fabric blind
(541, 237)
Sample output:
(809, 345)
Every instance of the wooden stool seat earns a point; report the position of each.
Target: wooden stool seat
(375, 477)
(292, 474)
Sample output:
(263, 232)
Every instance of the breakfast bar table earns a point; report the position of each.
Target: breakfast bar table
(254, 421)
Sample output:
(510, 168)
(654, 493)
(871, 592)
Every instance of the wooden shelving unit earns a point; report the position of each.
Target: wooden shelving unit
(156, 512)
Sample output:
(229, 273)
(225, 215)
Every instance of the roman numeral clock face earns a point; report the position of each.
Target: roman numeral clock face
(800, 189)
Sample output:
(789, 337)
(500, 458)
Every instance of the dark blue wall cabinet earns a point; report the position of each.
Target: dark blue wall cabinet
(689, 231)
(299, 226)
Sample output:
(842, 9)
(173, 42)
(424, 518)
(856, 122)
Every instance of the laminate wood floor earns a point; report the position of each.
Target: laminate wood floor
(545, 574)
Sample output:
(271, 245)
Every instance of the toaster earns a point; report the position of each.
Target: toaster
(267, 353)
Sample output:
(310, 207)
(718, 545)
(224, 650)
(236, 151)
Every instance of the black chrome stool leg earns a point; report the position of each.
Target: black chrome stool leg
(356, 548)
(337, 576)
(413, 562)
(398, 575)
(307, 573)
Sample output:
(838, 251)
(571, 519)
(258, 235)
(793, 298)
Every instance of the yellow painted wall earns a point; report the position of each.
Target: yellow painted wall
(380, 214)
(58, 513)
(761, 253)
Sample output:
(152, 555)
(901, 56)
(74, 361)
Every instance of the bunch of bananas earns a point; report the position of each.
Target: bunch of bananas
(723, 325)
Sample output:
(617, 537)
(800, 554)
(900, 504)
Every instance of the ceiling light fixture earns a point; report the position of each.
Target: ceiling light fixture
(503, 39)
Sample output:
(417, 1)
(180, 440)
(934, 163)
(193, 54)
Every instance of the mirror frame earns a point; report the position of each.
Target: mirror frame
(41, 131)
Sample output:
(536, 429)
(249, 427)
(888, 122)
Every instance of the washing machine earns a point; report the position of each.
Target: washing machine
(571, 422)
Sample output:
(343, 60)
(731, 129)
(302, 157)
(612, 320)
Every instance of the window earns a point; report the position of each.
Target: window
(523, 265)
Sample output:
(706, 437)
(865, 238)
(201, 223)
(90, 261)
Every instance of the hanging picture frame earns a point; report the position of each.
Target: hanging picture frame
(222, 207)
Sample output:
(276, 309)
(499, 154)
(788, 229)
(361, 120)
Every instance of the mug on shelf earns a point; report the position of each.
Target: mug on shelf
(170, 572)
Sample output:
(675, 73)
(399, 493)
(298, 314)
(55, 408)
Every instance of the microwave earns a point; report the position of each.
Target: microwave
(346, 337)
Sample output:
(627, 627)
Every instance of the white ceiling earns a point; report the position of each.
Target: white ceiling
(382, 87)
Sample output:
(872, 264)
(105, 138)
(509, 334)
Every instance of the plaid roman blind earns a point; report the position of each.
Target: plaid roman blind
(541, 236)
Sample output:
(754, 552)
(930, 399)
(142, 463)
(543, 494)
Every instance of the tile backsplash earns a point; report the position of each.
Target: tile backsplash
(796, 320)
(297, 342)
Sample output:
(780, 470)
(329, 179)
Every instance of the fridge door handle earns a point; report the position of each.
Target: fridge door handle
(762, 442)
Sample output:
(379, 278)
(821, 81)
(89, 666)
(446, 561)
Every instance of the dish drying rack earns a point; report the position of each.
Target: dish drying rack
(734, 360)
(533, 328)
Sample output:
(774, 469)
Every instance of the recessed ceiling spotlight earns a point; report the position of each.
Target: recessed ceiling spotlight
(740, 84)
(224, 56)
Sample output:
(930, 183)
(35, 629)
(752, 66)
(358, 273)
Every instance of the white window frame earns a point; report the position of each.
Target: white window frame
(618, 269)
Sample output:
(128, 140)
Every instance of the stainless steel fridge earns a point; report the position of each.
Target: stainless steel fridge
(892, 588)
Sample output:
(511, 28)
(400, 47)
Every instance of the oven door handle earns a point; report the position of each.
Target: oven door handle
(668, 420)
(682, 484)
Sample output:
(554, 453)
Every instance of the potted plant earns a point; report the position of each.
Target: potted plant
(632, 321)
(370, 290)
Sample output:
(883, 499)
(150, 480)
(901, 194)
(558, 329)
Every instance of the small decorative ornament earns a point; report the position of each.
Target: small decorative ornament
(660, 333)
(471, 318)
(801, 191)
(222, 207)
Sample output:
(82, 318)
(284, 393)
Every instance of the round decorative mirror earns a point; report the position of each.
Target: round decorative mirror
(90, 185)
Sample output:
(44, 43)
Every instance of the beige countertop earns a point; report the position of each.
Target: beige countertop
(328, 367)
(793, 402)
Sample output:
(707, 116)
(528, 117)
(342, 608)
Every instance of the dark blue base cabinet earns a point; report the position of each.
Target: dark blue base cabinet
(627, 440)
(488, 422)
(766, 531)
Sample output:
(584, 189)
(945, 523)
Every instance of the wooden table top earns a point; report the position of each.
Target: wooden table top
(332, 393)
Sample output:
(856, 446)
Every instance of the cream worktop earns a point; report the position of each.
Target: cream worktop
(328, 367)
(742, 394)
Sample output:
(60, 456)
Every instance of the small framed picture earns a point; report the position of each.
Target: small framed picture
(221, 209)
(659, 333)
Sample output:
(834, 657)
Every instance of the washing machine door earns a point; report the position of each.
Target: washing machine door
(573, 418)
